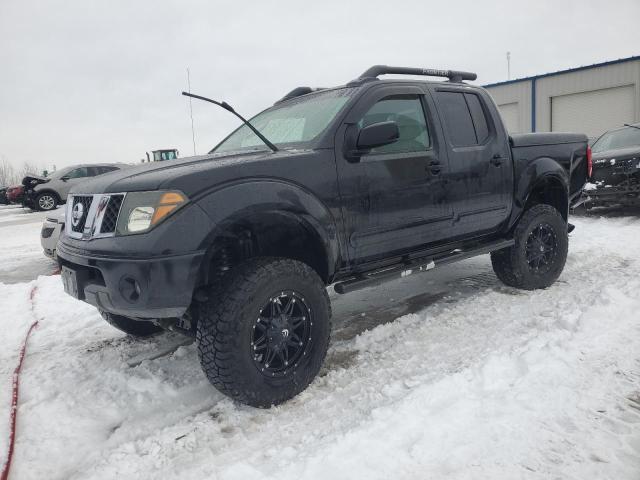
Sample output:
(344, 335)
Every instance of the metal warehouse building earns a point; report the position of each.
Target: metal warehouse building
(590, 99)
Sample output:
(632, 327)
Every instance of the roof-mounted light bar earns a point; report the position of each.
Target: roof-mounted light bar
(454, 76)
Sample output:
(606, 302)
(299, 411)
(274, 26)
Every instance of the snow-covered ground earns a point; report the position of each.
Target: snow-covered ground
(21, 256)
(443, 375)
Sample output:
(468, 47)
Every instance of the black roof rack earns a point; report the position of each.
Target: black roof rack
(298, 91)
(453, 75)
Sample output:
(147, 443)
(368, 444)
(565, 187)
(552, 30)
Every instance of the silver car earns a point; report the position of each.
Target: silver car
(51, 228)
(46, 193)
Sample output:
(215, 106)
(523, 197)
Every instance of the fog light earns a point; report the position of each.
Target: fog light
(129, 289)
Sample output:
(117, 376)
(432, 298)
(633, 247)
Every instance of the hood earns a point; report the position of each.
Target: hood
(610, 167)
(618, 153)
(188, 174)
(32, 180)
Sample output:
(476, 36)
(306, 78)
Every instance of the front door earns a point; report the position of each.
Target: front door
(393, 198)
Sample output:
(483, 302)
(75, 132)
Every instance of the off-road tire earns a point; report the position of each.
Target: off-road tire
(135, 328)
(46, 201)
(227, 319)
(510, 264)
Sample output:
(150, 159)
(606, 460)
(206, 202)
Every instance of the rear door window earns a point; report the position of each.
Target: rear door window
(457, 118)
(478, 117)
(464, 118)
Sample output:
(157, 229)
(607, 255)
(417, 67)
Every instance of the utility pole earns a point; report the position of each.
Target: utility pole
(508, 65)
(193, 134)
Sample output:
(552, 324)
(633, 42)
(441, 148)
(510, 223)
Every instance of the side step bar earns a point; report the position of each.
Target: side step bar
(418, 265)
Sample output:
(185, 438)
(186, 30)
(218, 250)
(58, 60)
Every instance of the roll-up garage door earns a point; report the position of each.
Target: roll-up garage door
(593, 112)
(510, 114)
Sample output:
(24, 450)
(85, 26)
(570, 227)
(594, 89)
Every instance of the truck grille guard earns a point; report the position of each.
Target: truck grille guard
(92, 216)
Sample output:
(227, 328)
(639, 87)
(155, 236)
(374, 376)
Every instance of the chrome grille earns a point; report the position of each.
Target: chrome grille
(80, 212)
(110, 217)
(95, 216)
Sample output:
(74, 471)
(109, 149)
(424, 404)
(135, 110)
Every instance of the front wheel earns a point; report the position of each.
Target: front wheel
(262, 335)
(540, 251)
(46, 201)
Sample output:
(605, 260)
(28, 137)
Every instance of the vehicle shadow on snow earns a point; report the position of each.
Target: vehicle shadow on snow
(353, 315)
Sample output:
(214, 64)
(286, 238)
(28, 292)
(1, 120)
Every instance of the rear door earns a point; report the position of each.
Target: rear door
(393, 198)
(480, 174)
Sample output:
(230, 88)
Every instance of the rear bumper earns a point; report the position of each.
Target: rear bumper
(150, 287)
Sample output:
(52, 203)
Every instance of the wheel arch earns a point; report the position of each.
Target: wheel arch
(268, 218)
(543, 181)
(49, 191)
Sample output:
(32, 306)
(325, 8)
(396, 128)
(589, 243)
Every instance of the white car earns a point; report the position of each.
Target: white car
(51, 228)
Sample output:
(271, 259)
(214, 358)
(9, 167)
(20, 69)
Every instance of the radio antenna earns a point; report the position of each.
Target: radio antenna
(193, 133)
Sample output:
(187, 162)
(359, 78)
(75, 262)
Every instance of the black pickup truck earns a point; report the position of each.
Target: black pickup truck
(348, 186)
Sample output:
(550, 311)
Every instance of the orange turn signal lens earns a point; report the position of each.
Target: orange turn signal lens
(171, 198)
(167, 204)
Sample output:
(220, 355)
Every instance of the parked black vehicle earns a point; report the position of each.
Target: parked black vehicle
(3, 196)
(616, 168)
(349, 186)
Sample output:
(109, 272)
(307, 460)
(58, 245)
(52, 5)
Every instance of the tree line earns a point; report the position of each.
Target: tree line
(10, 175)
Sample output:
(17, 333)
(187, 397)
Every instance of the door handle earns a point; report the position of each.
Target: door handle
(497, 159)
(434, 167)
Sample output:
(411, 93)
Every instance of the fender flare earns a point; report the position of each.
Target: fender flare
(233, 201)
(47, 190)
(535, 173)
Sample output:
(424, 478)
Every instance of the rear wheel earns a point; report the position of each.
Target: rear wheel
(263, 335)
(136, 328)
(46, 201)
(540, 252)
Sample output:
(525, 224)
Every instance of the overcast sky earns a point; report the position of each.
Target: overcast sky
(100, 81)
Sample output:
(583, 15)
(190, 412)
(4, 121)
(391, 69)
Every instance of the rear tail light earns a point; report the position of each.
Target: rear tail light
(589, 162)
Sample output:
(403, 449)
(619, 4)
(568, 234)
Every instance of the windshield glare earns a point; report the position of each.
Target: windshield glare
(296, 122)
(625, 137)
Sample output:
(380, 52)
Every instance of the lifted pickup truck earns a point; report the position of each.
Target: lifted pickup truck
(349, 186)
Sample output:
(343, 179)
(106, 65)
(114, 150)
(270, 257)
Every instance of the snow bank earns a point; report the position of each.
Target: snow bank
(484, 382)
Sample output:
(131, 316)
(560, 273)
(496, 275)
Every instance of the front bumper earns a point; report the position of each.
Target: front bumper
(49, 236)
(135, 287)
(616, 195)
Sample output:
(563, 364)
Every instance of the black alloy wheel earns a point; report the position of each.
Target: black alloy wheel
(281, 333)
(541, 247)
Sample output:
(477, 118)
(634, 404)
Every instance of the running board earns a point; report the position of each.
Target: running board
(418, 265)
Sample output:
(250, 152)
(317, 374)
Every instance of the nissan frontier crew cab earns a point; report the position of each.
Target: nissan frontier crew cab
(349, 186)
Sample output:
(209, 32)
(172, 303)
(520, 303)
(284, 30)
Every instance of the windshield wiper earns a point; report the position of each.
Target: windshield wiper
(632, 126)
(228, 107)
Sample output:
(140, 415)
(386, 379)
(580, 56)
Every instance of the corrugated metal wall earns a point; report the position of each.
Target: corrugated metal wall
(587, 100)
(514, 102)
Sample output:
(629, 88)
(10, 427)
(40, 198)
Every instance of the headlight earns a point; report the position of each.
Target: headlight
(141, 211)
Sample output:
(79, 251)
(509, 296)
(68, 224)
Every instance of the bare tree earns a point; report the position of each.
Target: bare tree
(8, 175)
(29, 168)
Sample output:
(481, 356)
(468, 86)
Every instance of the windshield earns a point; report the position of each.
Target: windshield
(625, 137)
(296, 122)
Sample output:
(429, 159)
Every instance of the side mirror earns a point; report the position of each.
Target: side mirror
(64, 179)
(377, 135)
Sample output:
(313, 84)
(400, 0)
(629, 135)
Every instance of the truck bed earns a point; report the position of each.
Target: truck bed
(567, 149)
